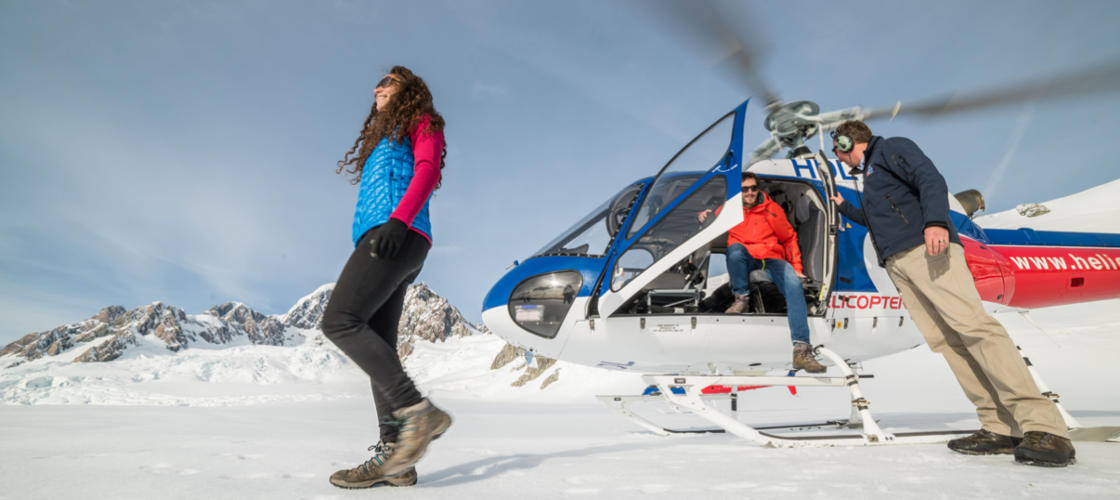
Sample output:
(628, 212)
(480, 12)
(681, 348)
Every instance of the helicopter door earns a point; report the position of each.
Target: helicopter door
(666, 228)
(832, 219)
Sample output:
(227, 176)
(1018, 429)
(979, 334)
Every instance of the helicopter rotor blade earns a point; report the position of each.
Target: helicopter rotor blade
(1094, 79)
(702, 23)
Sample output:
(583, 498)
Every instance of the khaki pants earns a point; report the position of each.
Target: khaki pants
(942, 300)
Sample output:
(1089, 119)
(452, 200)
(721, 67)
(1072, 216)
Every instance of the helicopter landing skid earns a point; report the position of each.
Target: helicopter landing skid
(1077, 432)
(620, 404)
(688, 397)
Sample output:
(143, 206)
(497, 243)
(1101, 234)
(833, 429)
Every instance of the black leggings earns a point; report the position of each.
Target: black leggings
(362, 316)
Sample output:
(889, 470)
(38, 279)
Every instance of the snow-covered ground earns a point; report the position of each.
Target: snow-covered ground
(258, 421)
(274, 422)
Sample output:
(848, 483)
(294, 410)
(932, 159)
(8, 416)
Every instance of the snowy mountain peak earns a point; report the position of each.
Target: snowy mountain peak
(106, 335)
(430, 317)
(307, 312)
(110, 314)
(426, 314)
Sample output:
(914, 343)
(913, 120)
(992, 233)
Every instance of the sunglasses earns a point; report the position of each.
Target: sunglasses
(750, 188)
(385, 82)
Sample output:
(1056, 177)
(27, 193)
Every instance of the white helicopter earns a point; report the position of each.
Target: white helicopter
(639, 284)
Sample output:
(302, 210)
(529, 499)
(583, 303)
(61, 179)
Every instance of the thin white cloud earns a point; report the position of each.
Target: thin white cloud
(482, 90)
(148, 210)
(1021, 124)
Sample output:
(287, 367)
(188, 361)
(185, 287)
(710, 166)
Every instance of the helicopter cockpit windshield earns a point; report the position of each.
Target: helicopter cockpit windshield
(670, 227)
(685, 168)
(591, 236)
(665, 227)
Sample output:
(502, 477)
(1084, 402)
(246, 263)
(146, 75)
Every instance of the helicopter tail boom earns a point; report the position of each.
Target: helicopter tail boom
(1045, 268)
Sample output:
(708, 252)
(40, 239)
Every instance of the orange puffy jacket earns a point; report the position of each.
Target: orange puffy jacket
(766, 233)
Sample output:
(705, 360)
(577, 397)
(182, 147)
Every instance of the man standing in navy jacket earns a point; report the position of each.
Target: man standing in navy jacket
(905, 207)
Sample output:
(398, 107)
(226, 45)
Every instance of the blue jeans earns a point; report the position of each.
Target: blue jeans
(740, 263)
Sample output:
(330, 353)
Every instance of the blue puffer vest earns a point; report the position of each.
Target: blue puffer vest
(385, 178)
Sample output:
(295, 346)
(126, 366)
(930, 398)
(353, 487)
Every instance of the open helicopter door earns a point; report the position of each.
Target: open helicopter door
(666, 229)
(832, 227)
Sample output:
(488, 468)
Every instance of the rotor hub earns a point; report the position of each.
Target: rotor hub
(791, 123)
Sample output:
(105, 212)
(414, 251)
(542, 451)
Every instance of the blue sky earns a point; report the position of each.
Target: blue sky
(185, 151)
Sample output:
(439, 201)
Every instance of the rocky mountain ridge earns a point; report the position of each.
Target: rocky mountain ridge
(106, 335)
(109, 334)
(114, 329)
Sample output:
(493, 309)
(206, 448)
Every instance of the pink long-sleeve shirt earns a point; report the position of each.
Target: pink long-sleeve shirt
(427, 150)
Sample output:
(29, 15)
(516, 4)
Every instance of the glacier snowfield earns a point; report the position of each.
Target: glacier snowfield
(275, 422)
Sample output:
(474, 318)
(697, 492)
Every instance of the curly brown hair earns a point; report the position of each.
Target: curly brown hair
(402, 113)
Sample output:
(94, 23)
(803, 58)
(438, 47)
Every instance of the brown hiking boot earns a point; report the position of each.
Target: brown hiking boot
(371, 472)
(419, 425)
(984, 442)
(803, 359)
(741, 303)
(1045, 449)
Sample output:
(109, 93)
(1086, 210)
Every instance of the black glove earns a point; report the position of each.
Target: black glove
(387, 239)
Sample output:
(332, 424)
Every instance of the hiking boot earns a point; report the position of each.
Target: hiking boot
(419, 425)
(985, 442)
(741, 303)
(371, 472)
(803, 359)
(1045, 449)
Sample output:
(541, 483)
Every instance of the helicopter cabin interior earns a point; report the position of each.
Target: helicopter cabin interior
(700, 284)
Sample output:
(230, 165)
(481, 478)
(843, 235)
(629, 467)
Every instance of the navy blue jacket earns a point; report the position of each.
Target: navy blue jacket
(903, 194)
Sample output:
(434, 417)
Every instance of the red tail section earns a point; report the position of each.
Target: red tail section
(1038, 276)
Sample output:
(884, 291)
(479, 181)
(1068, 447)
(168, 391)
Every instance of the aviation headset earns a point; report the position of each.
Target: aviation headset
(844, 144)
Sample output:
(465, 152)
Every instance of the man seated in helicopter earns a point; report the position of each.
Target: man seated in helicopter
(766, 240)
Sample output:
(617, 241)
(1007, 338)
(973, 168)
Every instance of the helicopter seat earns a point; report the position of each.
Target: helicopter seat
(809, 224)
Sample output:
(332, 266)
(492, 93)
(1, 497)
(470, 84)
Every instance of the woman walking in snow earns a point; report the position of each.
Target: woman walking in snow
(397, 160)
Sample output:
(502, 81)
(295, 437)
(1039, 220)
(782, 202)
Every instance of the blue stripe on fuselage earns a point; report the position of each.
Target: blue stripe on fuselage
(1025, 236)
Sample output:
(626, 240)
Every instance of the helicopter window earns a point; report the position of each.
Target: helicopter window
(592, 234)
(629, 265)
(705, 151)
(671, 231)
